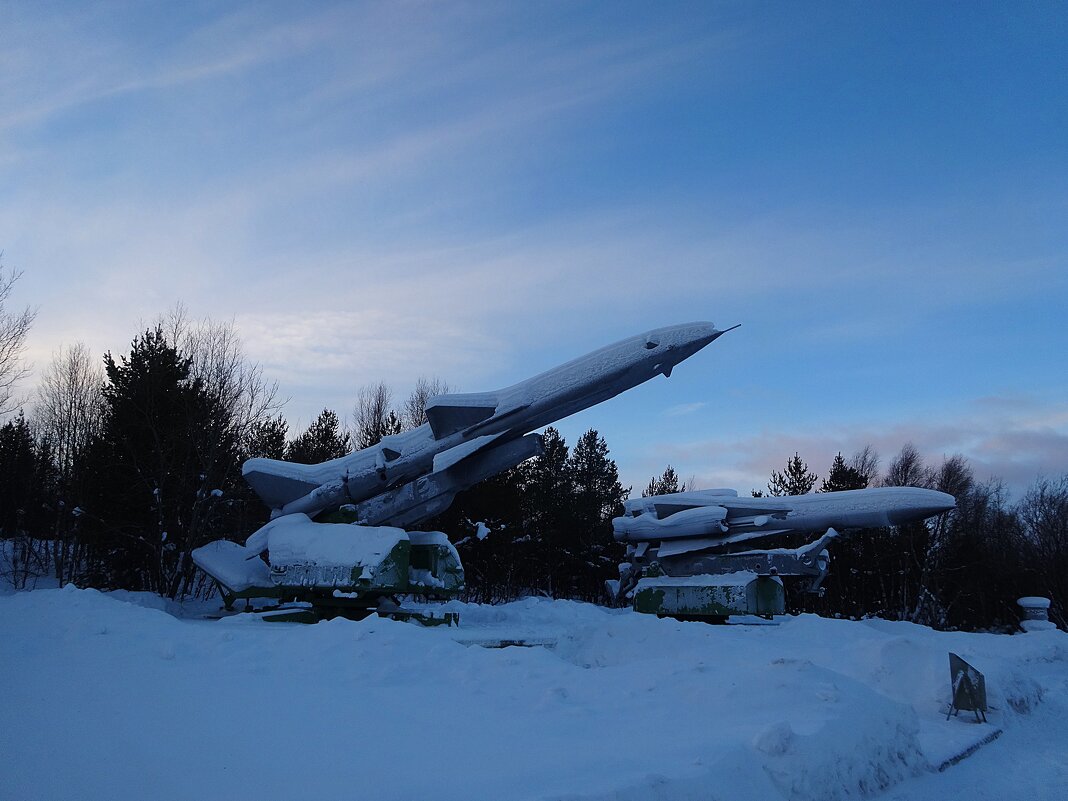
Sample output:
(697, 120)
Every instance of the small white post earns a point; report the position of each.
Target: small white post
(1035, 614)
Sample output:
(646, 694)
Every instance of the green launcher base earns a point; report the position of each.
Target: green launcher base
(711, 598)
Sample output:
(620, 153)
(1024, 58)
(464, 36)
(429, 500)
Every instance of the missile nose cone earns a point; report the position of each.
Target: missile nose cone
(922, 504)
(676, 343)
(716, 333)
(697, 335)
(704, 332)
(941, 502)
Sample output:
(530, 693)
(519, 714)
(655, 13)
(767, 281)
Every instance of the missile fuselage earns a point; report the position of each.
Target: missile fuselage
(690, 521)
(453, 448)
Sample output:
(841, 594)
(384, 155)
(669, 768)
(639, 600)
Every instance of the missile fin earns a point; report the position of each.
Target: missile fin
(496, 418)
(448, 414)
(276, 482)
(747, 507)
(667, 509)
(453, 456)
(676, 547)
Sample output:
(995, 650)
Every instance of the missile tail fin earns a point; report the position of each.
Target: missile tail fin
(453, 456)
(277, 483)
(448, 414)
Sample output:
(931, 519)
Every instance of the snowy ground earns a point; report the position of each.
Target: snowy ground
(105, 697)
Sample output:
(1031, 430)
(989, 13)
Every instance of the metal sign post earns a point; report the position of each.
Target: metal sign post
(969, 689)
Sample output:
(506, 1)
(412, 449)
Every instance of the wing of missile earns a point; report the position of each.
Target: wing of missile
(453, 456)
(667, 506)
(278, 483)
(755, 507)
(676, 547)
(500, 414)
(431, 494)
(448, 414)
(699, 521)
(680, 546)
(667, 509)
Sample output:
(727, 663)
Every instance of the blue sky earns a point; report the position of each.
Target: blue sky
(878, 192)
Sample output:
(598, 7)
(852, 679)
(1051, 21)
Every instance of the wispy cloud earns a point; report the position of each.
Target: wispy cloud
(75, 58)
(378, 191)
(1021, 439)
(684, 408)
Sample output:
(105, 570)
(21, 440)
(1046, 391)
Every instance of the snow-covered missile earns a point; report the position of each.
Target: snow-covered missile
(414, 475)
(684, 522)
(682, 553)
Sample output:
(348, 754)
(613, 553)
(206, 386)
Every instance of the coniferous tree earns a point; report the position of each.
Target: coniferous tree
(18, 472)
(162, 466)
(666, 484)
(485, 523)
(25, 474)
(546, 505)
(796, 479)
(597, 498)
(321, 441)
(267, 439)
(393, 425)
(842, 477)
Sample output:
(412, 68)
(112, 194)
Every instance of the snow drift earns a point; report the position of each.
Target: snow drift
(106, 698)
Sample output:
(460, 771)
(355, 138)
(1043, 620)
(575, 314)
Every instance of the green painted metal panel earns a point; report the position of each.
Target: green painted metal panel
(761, 595)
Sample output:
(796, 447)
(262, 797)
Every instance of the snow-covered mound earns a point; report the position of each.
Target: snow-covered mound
(107, 698)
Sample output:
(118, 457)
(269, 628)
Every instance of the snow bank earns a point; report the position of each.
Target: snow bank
(111, 700)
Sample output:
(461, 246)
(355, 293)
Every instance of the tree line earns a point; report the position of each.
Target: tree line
(964, 569)
(113, 473)
(118, 467)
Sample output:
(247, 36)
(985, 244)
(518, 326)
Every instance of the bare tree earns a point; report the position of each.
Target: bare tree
(244, 399)
(413, 414)
(1044, 515)
(68, 411)
(373, 417)
(866, 463)
(954, 476)
(931, 540)
(69, 404)
(14, 326)
(219, 363)
(907, 469)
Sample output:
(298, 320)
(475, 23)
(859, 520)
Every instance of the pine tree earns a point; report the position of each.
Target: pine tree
(502, 565)
(18, 471)
(321, 441)
(598, 494)
(267, 439)
(162, 466)
(546, 494)
(842, 477)
(597, 498)
(26, 475)
(666, 484)
(393, 425)
(796, 479)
